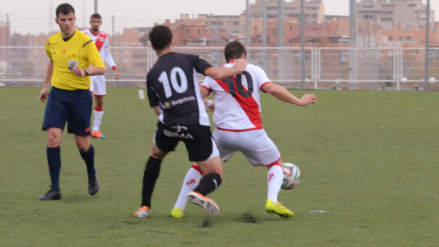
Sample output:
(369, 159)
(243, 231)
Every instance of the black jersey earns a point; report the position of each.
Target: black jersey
(172, 83)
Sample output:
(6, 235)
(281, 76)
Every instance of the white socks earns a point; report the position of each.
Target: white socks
(97, 119)
(191, 180)
(274, 180)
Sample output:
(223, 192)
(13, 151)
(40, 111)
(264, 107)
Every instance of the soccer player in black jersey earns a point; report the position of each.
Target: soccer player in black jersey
(174, 93)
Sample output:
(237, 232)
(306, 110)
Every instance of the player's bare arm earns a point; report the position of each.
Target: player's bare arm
(283, 94)
(44, 94)
(210, 104)
(223, 73)
(79, 72)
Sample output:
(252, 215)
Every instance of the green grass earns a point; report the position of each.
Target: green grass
(369, 158)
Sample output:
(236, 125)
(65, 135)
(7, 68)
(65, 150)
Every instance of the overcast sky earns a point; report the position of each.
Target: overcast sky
(36, 16)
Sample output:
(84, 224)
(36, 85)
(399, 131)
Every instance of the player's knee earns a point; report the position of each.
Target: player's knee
(83, 146)
(53, 139)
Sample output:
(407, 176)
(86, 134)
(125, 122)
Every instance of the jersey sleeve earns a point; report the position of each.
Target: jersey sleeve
(152, 96)
(199, 64)
(92, 54)
(108, 58)
(48, 52)
(262, 77)
(208, 83)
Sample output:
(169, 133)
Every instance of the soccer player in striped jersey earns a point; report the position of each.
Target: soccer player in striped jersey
(239, 127)
(98, 86)
(71, 53)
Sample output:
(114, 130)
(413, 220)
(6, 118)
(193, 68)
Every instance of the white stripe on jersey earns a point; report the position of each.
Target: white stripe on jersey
(204, 118)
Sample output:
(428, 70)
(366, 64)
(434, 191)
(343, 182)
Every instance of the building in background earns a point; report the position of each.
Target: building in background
(314, 10)
(409, 11)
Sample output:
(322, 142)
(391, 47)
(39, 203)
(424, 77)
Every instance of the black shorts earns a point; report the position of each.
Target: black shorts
(197, 138)
(73, 107)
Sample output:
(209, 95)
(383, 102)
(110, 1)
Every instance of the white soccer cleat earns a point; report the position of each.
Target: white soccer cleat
(206, 203)
(142, 212)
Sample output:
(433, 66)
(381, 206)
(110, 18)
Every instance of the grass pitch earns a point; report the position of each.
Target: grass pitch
(368, 159)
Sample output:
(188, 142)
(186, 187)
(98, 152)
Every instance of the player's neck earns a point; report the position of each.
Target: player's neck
(165, 51)
(67, 35)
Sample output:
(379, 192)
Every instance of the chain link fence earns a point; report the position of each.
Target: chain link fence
(347, 44)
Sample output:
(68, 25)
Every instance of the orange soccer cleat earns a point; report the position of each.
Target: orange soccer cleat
(97, 134)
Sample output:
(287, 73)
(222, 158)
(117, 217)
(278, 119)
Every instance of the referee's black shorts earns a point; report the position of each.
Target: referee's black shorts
(197, 138)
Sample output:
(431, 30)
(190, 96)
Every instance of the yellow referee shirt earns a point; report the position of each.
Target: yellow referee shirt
(79, 51)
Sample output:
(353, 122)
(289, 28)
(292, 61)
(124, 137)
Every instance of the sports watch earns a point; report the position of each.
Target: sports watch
(86, 72)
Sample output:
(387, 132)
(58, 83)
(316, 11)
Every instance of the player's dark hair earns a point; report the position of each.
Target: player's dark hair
(234, 50)
(95, 16)
(65, 9)
(160, 37)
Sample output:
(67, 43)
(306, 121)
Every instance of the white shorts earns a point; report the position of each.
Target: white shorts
(256, 146)
(98, 86)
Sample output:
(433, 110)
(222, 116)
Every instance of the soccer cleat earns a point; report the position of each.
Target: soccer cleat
(277, 208)
(142, 212)
(51, 195)
(97, 134)
(93, 185)
(177, 213)
(206, 203)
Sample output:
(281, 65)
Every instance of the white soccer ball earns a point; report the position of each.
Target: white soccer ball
(291, 176)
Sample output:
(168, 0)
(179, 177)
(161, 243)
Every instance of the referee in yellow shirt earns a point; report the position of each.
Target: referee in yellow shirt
(71, 53)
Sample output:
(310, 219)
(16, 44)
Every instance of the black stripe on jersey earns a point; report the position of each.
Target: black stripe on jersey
(87, 43)
(48, 42)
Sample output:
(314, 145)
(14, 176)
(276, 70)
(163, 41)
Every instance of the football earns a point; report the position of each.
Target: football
(291, 176)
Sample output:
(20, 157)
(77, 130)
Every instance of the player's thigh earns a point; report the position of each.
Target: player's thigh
(163, 141)
(226, 143)
(55, 114)
(258, 148)
(199, 143)
(99, 86)
(79, 112)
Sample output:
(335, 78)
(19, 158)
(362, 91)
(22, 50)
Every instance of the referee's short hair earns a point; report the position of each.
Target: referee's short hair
(160, 37)
(234, 50)
(95, 16)
(65, 9)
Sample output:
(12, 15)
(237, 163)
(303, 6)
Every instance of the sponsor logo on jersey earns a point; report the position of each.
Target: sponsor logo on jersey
(172, 103)
(182, 100)
(177, 135)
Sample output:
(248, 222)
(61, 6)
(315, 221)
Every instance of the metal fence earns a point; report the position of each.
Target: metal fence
(325, 68)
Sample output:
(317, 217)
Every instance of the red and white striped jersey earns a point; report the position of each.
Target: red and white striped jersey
(237, 99)
(101, 42)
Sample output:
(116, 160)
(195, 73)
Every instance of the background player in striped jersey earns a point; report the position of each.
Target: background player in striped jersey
(98, 87)
(238, 123)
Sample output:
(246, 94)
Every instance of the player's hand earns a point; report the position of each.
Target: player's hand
(78, 71)
(116, 75)
(210, 105)
(307, 99)
(44, 94)
(240, 64)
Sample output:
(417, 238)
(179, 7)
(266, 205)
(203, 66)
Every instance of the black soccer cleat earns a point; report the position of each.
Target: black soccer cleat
(93, 185)
(51, 195)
